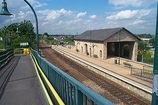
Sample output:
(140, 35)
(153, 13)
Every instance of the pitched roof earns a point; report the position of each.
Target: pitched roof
(100, 34)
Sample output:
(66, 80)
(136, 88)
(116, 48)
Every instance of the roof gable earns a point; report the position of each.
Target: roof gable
(100, 34)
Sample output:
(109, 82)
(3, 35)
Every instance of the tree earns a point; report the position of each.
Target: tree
(142, 48)
(46, 34)
(144, 35)
(26, 33)
(1, 41)
(69, 39)
(152, 41)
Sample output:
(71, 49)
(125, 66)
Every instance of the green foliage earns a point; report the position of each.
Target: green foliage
(25, 34)
(1, 33)
(69, 40)
(1, 41)
(46, 34)
(147, 58)
(152, 41)
(49, 40)
(1, 45)
(142, 47)
(18, 40)
(144, 35)
(18, 51)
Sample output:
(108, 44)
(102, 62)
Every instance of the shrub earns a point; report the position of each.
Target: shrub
(147, 59)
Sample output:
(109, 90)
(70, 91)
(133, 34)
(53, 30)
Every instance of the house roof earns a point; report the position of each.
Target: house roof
(100, 34)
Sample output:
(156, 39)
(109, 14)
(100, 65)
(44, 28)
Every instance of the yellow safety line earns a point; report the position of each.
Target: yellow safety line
(45, 91)
(50, 86)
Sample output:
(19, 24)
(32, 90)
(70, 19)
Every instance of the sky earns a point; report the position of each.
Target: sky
(76, 16)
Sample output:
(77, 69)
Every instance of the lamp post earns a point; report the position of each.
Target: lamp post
(30, 35)
(5, 11)
(119, 37)
(155, 71)
(37, 38)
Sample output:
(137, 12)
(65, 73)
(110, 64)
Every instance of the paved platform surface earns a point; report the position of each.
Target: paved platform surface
(23, 87)
(110, 65)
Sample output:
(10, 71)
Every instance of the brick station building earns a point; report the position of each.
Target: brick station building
(106, 43)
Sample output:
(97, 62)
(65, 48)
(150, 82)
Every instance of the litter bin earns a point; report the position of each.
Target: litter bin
(115, 61)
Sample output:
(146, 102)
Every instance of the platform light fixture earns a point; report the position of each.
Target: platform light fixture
(17, 30)
(4, 10)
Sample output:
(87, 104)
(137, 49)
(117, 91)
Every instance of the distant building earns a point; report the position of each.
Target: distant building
(106, 43)
(145, 39)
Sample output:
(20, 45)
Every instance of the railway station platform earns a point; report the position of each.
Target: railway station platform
(23, 86)
(32, 80)
(109, 64)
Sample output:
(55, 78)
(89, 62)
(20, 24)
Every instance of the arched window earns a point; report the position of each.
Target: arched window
(81, 49)
(86, 49)
(100, 53)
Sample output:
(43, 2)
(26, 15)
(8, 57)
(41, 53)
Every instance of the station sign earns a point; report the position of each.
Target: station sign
(1, 38)
(24, 44)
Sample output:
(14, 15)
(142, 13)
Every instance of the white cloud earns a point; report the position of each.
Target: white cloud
(44, 12)
(123, 15)
(143, 13)
(137, 21)
(36, 3)
(92, 16)
(39, 5)
(65, 12)
(44, 23)
(75, 21)
(62, 20)
(54, 14)
(134, 3)
(21, 4)
(21, 15)
(81, 14)
(128, 14)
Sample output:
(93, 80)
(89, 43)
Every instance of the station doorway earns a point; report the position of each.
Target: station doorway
(120, 49)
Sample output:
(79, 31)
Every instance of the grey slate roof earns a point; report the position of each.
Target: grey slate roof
(100, 34)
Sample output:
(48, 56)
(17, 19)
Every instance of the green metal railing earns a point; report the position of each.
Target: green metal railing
(5, 56)
(145, 72)
(71, 91)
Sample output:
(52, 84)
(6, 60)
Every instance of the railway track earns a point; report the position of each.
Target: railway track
(98, 83)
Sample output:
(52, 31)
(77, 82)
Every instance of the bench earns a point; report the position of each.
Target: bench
(127, 65)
